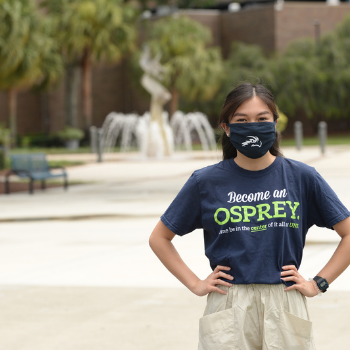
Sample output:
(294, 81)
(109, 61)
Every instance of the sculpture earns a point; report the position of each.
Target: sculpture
(159, 139)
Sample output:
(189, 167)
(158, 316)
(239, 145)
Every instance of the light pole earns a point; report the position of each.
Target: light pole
(317, 27)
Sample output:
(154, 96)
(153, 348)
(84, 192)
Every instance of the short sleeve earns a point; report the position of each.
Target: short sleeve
(184, 213)
(325, 208)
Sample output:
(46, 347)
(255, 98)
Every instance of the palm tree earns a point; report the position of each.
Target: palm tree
(28, 55)
(194, 71)
(92, 31)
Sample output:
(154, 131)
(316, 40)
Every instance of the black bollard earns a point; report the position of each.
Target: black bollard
(99, 145)
(93, 139)
(322, 135)
(298, 134)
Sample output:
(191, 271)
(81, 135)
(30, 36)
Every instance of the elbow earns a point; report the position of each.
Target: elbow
(160, 236)
(151, 241)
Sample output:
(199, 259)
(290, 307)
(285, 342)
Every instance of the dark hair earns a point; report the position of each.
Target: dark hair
(234, 99)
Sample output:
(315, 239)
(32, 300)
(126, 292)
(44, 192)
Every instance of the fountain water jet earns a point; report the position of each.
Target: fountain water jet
(148, 136)
(184, 124)
(132, 127)
(115, 124)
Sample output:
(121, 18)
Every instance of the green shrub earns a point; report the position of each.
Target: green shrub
(69, 133)
(282, 121)
(41, 141)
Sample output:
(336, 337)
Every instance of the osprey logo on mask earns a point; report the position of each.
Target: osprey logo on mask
(253, 141)
(253, 146)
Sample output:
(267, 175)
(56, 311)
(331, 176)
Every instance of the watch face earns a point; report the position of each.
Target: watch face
(323, 285)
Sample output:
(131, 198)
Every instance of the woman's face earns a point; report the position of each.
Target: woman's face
(254, 110)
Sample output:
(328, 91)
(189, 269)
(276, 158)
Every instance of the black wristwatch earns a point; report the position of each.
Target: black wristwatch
(322, 283)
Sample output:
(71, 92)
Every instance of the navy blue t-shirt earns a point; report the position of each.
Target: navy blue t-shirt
(254, 221)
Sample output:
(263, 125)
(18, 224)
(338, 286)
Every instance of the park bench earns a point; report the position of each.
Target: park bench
(35, 167)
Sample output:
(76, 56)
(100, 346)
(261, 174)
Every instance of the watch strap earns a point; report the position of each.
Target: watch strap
(322, 283)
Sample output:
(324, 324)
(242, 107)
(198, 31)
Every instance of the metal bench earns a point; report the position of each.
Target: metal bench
(35, 167)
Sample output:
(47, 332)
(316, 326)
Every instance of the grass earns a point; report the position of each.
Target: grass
(307, 141)
(195, 147)
(52, 181)
(52, 163)
(65, 163)
(58, 150)
(314, 141)
(62, 150)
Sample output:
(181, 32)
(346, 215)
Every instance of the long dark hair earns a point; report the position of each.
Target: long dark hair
(234, 99)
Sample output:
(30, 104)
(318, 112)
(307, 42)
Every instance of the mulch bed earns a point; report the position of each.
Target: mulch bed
(24, 186)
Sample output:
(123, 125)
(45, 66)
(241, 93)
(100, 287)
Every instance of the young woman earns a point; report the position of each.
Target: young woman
(255, 208)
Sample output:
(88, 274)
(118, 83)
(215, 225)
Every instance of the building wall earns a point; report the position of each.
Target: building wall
(108, 92)
(29, 118)
(28, 112)
(209, 18)
(56, 111)
(3, 109)
(251, 26)
(113, 89)
(297, 20)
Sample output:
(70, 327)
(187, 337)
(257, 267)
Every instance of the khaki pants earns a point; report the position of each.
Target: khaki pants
(256, 317)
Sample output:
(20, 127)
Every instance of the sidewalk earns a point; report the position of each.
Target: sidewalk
(76, 271)
(120, 187)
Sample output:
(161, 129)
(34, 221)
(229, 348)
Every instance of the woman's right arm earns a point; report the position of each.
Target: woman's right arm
(160, 242)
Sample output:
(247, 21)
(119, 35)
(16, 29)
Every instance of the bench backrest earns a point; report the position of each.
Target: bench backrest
(31, 162)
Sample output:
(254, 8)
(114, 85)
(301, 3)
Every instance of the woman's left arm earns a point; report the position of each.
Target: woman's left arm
(337, 264)
(341, 257)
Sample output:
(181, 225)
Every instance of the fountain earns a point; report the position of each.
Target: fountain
(131, 127)
(154, 135)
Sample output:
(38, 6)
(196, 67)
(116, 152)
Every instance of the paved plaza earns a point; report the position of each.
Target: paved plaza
(76, 271)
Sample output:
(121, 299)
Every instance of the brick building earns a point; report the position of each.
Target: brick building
(264, 24)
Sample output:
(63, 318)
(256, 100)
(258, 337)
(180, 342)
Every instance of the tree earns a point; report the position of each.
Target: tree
(193, 71)
(298, 80)
(314, 79)
(146, 4)
(92, 31)
(245, 63)
(308, 79)
(28, 54)
(337, 45)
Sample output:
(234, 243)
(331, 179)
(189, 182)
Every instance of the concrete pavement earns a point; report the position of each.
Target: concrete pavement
(76, 271)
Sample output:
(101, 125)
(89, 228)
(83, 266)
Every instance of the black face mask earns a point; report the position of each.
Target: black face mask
(253, 139)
